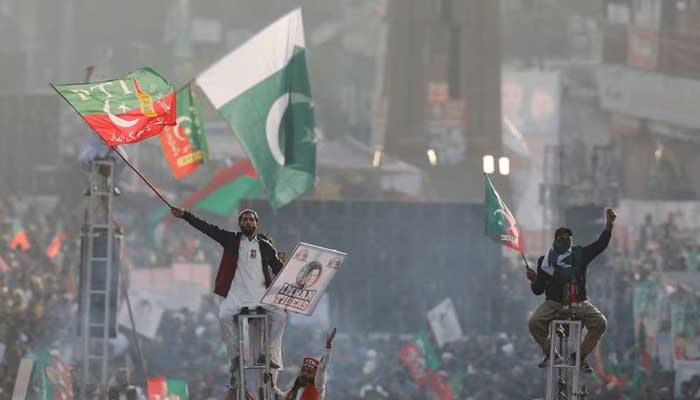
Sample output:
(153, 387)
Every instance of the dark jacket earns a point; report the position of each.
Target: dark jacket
(231, 241)
(554, 285)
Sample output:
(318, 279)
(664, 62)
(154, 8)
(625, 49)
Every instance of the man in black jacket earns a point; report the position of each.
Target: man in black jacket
(561, 275)
(248, 265)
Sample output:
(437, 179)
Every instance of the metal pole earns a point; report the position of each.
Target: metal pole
(135, 337)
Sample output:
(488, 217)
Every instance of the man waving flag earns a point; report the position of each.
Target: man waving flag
(500, 222)
(262, 90)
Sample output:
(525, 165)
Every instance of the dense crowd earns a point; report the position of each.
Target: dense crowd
(38, 309)
(36, 290)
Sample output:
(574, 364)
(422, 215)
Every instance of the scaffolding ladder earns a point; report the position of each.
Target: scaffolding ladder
(97, 277)
(252, 325)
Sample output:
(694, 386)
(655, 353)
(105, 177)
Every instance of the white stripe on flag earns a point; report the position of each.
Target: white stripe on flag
(260, 57)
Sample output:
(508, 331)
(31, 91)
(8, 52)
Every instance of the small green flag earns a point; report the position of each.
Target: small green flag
(500, 223)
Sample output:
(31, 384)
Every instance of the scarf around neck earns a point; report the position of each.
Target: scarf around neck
(552, 260)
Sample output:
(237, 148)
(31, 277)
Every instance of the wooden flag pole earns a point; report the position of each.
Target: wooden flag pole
(156, 191)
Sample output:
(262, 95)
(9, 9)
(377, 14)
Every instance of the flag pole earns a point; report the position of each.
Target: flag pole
(527, 266)
(145, 180)
(116, 150)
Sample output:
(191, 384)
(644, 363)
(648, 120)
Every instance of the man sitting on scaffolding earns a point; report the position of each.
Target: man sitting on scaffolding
(248, 266)
(561, 275)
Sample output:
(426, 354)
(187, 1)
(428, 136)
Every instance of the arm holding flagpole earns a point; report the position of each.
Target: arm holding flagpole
(530, 273)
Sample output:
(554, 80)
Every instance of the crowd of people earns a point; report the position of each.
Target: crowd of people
(37, 287)
(38, 310)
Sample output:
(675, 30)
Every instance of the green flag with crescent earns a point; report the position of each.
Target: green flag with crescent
(500, 222)
(262, 90)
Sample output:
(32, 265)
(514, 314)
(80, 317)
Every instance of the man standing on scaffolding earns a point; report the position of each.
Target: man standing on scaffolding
(247, 268)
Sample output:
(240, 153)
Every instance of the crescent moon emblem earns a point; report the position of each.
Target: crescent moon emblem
(122, 123)
(176, 128)
(272, 127)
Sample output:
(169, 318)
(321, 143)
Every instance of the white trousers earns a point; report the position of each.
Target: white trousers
(229, 332)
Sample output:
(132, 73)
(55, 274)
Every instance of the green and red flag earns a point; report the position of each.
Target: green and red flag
(160, 388)
(51, 378)
(223, 193)
(19, 238)
(607, 375)
(125, 110)
(501, 225)
(184, 145)
(56, 242)
(419, 357)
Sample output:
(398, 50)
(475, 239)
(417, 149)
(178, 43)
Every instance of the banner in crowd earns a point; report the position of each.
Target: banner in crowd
(56, 243)
(19, 238)
(444, 323)
(664, 345)
(146, 310)
(125, 110)
(419, 356)
(184, 145)
(684, 331)
(422, 361)
(304, 279)
(161, 388)
(51, 378)
(647, 311)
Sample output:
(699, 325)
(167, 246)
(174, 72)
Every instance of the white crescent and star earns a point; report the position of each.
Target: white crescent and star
(176, 130)
(120, 122)
(507, 217)
(272, 127)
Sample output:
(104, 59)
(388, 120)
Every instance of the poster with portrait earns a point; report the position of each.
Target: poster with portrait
(147, 310)
(303, 280)
(685, 331)
(444, 323)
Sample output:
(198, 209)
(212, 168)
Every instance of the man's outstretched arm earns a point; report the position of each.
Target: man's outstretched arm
(222, 236)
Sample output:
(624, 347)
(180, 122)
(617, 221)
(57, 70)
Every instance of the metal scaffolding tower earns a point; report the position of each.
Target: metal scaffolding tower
(98, 281)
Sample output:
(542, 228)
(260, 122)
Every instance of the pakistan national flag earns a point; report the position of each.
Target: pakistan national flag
(500, 222)
(262, 90)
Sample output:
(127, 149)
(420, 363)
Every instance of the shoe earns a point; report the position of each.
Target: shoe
(545, 362)
(116, 191)
(261, 361)
(584, 364)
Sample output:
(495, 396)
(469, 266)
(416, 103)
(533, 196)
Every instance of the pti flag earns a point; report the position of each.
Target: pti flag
(19, 238)
(223, 193)
(500, 222)
(184, 144)
(51, 378)
(262, 90)
(56, 243)
(161, 388)
(125, 110)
